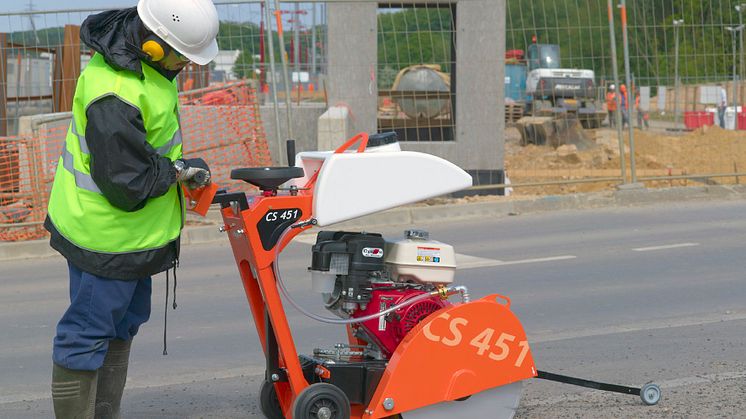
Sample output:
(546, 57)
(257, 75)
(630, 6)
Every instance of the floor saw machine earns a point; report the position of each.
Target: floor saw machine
(419, 346)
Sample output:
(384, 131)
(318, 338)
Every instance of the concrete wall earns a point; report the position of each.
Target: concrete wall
(480, 51)
(305, 120)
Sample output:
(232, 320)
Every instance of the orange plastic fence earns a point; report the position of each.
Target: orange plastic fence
(26, 171)
(221, 124)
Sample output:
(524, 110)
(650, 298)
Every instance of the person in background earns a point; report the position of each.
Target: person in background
(642, 116)
(722, 105)
(116, 208)
(611, 105)
(625, 105)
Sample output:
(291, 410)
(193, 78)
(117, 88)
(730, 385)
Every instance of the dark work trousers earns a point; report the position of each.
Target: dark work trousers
(101, 309)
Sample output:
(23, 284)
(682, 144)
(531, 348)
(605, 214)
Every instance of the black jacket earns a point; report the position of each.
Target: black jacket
(127, 170)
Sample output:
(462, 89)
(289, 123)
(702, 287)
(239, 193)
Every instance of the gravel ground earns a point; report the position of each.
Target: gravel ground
(714, 399)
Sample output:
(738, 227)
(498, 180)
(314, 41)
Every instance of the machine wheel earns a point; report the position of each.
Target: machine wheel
(321, 401)
(268, 401)
(650, 394)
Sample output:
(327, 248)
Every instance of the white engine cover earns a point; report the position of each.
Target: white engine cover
(352, 185)
(424, 261)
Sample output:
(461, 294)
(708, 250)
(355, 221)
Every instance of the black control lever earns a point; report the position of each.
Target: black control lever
(225, 198)
(291, 152)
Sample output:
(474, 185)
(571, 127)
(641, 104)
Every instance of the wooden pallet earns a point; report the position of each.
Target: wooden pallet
(513, 112)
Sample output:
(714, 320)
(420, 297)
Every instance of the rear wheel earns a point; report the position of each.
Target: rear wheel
(321, 401)
(268, 401)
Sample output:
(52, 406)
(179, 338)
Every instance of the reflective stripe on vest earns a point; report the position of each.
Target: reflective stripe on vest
(175, 140)
(82, 180)
(81, 138)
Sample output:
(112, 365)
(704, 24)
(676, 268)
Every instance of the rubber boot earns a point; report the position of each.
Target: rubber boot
(73, 393)
(111, 379)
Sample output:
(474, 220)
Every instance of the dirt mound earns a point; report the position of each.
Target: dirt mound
(707, 151)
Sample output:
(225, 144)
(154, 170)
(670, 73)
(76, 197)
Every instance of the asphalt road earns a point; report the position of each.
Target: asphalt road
(625, 295)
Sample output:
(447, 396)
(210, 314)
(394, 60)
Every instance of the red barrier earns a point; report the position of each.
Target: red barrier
(741, 120)
(694, 120)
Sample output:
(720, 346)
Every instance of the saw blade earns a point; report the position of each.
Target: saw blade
(495, 403)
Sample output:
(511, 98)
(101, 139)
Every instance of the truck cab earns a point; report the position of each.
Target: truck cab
(553, 90)
(546, 80)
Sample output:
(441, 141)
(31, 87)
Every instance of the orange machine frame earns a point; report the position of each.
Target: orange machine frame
(421, 371)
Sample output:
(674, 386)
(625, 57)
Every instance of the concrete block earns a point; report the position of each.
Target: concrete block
(334, 128)
(38, 158)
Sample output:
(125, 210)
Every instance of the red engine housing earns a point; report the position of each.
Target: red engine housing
(387, 331)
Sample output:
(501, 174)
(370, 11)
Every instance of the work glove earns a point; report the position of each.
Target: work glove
(194, 173)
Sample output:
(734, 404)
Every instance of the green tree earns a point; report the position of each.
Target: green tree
(244, 66)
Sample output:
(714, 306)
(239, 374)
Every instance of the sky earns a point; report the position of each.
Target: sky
(249, 11)
(21, 5)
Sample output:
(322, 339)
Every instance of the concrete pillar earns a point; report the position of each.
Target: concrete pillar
(352, 57)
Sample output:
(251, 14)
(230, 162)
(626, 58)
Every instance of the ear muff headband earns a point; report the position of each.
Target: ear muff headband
(155, 48)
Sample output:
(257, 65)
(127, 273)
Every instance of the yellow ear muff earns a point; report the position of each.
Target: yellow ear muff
(154, 50)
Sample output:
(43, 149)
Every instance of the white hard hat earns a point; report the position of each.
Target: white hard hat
(612, 87)
(189, 26)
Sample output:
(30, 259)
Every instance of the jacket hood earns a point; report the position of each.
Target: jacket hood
(116, 34)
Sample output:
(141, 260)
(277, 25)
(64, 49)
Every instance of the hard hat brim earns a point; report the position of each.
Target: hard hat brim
(205, 56)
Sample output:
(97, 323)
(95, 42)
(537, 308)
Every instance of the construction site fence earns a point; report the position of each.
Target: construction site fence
(263, 89)
(220, 124)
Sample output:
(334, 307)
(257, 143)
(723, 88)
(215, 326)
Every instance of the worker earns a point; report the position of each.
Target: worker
(611, 105)
(722, 105)
(625, 105)
(642, 116)
(116, 207)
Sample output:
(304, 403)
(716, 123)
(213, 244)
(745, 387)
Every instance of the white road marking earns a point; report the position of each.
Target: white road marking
(538, 260)
(472, 262)
(664, 247)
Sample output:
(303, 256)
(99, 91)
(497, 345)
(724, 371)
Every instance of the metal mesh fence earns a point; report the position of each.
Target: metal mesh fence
(416, 58)
(220, 112)
(431, 71)
(686, 64)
